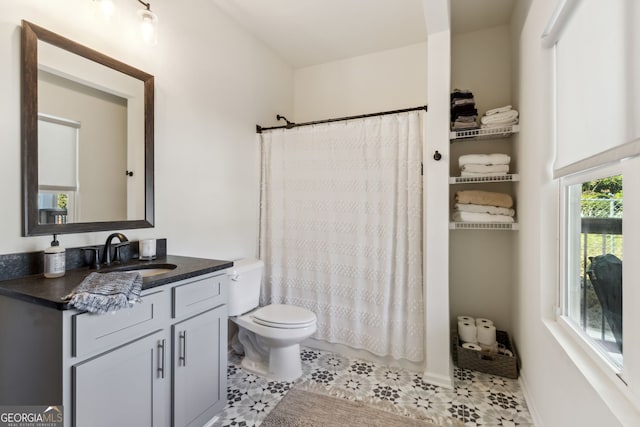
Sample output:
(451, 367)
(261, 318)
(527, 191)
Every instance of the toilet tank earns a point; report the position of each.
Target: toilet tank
(244, 285)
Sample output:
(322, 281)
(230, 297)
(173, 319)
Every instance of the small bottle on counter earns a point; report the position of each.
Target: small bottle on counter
(54, 260)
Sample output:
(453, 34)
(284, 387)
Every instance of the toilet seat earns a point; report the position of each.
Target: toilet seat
(284, 316)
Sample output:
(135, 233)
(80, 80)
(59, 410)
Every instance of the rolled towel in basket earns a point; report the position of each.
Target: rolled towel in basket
(106, 292)
(489, 198)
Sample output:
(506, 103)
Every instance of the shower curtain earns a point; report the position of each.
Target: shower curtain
(341, 230)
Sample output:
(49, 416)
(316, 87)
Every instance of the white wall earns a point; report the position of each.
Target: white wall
(558, 394)
(382, 81)
(481, 61)
(214, 82)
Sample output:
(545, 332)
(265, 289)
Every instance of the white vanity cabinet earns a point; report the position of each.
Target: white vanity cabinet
(160, 363)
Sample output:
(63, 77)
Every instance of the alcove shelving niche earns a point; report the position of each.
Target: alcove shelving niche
(485, 134)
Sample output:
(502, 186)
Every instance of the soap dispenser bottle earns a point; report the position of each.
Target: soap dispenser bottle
(54, 260)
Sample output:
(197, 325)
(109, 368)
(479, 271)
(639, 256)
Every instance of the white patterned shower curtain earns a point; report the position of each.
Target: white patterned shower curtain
(341, 230)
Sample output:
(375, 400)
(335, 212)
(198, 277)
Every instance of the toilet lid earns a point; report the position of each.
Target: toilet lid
(284, 316)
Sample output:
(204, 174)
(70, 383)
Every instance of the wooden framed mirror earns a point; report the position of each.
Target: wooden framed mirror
(87, 138)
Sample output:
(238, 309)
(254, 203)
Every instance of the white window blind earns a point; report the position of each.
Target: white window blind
(57, 153)
(597, 85)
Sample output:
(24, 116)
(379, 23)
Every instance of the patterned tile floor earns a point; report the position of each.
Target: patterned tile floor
(477, 400)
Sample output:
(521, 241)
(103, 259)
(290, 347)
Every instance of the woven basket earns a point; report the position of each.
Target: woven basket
(490, 363)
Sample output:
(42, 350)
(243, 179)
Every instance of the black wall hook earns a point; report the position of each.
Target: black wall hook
(437, 156)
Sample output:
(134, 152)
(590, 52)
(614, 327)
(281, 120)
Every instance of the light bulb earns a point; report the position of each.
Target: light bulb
(148, 23)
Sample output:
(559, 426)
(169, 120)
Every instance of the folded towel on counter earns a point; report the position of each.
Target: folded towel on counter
(498, 110)
(488, 198)
(480, 217)
(106, 292)
(481, 168)
(494, 210)
(507, 116)
(484, 159)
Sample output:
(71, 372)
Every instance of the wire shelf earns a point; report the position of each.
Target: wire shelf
(480, 179)
(483, 226)
(486, 133)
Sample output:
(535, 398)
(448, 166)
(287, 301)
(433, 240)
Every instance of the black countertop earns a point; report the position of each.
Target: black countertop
(49, 292)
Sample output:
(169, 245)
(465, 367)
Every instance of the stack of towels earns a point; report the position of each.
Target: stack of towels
(483, 206)
(464, 115)
(499, 117)
(477, 165)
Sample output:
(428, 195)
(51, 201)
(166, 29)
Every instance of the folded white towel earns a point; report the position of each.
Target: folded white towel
(484, 159)
(478, 168)
(480, 217)
(494, 210)
(507, 116)
(498, 110)
(479, 174)
(500, 124)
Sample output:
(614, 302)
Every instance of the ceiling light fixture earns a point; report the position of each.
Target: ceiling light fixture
(149, 23)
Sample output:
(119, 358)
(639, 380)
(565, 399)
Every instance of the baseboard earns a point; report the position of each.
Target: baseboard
(529, 400)
(438, 379)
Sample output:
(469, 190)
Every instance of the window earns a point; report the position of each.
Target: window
(593, 286)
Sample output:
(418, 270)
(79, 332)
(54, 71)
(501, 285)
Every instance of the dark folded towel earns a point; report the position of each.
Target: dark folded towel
(460, 109)
(461, 94)
(106, 292)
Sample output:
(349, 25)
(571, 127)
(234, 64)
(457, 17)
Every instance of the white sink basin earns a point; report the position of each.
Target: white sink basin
(144, 272)
(148, 269)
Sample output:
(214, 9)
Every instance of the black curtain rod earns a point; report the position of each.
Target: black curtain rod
(290, 125)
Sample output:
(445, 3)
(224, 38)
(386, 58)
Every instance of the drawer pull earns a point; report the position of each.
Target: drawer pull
(182, 359)
(161, 358)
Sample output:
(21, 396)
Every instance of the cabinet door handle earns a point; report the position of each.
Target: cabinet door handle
(182, 359)
(161, 358)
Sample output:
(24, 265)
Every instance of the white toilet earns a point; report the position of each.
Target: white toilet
(270, 335)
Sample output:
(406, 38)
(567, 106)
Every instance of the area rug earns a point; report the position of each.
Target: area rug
(307, 409)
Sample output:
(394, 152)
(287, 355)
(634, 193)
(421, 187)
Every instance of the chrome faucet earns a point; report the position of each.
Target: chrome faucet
(106, 256)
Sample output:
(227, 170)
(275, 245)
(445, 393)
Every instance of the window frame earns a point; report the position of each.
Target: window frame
(565, 245)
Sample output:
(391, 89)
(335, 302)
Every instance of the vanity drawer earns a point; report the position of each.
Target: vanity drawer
(95, 332)
(200, 294)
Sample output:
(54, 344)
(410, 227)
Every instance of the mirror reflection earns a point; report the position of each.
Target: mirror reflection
(88, 122)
